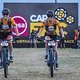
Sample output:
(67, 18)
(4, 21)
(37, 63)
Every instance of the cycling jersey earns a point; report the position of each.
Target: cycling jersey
(5, 26)
(51, 26)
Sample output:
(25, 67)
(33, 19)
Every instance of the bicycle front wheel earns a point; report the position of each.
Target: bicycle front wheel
(51, 62)
(5, 62)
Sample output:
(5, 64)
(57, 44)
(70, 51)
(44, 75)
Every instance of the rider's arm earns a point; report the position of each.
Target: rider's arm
(62, 33)
(14, 26)
(60, 28)
(41, 29)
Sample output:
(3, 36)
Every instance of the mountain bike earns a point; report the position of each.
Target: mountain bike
(52, 55)
(5, 54)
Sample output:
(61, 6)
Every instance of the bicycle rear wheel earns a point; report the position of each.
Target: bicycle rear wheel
(51, 63)
(5, 62)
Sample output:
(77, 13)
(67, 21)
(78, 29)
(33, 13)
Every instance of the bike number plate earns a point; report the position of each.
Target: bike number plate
(4, 43)
(51, 43)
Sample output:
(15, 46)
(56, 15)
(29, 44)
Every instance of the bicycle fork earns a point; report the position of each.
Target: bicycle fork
(54, 56)
(3, 56)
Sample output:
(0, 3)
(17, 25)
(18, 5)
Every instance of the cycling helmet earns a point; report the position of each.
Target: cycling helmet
(5, 11)
(50, 13)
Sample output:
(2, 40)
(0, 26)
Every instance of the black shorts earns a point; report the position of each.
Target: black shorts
(4, 35)
(53, 37)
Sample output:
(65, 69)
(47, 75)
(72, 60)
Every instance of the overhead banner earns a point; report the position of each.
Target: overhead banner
(29, 16)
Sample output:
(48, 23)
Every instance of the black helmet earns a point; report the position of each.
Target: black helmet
(50, 13)
(5, 11)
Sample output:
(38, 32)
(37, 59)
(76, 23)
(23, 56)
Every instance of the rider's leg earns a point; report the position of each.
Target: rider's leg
(0, 52)
(46, 47)
(11, 51)
(10, 47)
(0, 57)
(56, 46)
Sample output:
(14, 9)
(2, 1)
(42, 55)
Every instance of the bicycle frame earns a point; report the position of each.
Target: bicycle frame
(51, 46)
(4, 59)
(52, 57)
(5, 51)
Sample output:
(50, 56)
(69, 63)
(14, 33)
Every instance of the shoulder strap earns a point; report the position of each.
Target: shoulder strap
(9, 22)
(54, 24)
(47, 22)
(54, 21)
(46, 25)
(1, 21)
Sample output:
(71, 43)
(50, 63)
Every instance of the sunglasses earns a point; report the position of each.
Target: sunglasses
(5, 14)
(50, 16)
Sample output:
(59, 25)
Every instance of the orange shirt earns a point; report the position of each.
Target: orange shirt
(5, 22)
(51, 24)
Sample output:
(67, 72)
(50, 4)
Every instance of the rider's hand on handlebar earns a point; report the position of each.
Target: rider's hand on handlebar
(39, 38)
(63, 37)
(38, 35)
(16, 38)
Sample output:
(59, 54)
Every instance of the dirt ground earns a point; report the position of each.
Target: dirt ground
(29, 65)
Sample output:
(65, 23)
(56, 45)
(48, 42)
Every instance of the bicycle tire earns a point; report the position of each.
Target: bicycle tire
(5, 62)
(54, 58)
(51, 63)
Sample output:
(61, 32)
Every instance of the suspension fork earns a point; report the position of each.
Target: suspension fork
(54, 55)
(2, 57)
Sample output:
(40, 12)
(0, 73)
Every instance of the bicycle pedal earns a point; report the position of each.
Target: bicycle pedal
(56, 69)
(11, 61)
(45, 60)
(48, 64)
(1, 66)
(8, 62)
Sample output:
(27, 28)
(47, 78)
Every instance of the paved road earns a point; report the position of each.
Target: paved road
(29, 65)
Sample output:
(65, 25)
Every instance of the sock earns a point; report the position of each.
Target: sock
(46, 51)
(11, 53)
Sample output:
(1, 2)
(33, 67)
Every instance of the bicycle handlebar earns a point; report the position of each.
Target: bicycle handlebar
(16, 38)
(44, 40)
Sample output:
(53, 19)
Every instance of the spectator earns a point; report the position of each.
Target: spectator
(62, 43)
(33, 40)
(76, 37)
